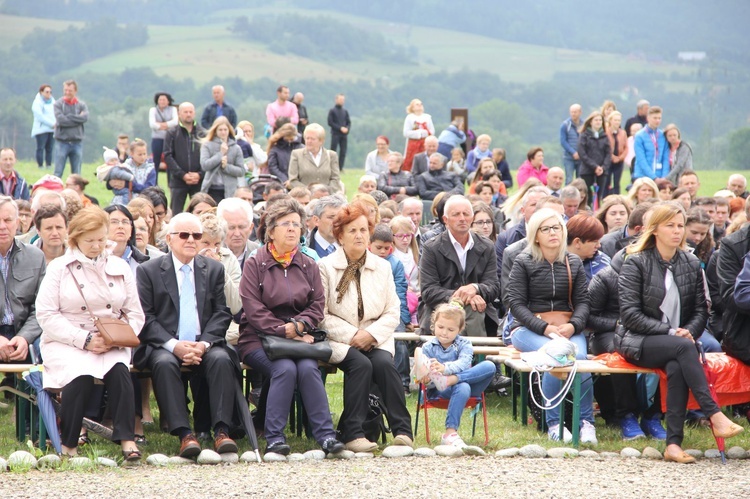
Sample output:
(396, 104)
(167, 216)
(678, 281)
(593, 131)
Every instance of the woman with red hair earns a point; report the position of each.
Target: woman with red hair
(376, 162)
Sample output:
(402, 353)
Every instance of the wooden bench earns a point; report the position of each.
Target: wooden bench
(482, 345)
(582, 367)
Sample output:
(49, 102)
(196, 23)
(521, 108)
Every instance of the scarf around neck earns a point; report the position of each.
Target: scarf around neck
(71, 102)
(352, 273)
(285, 259)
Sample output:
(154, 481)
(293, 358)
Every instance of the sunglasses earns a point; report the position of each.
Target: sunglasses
(185, 235)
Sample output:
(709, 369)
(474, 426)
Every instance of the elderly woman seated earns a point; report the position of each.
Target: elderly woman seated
(361, 313)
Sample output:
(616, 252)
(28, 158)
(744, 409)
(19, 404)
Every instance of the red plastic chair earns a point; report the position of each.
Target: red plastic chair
(424, 404)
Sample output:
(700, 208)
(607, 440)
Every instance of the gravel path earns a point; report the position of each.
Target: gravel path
(393, 478)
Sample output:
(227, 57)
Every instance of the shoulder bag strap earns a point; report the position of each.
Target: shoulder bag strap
(570, 283)
(78, 287)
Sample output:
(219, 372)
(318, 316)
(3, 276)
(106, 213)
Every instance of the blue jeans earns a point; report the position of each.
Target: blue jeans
(710, 343)
(44, 144)
(401, 361)
(525, 340)
(65, 150)
(471, 383)
(571, 167)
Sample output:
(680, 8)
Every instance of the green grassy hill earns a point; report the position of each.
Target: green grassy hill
(211, 51)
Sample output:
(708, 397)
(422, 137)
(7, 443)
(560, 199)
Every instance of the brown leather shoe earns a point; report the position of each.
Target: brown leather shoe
(223, 444)
(730, 431)
(682, 457)
(189, 447)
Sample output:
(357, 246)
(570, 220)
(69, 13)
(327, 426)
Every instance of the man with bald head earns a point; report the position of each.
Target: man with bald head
(555, 180)
(458, 265)
(569, 142)
(738, 185)
(298, 100)
(422, 160)
(182, 154)
(218, 108)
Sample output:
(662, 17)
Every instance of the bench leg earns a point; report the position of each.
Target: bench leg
(524, 398)
(576, 410)
(513, 394)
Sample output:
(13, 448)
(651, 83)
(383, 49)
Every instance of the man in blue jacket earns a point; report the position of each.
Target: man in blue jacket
(651, 148)
(11, 182)
(569, 142)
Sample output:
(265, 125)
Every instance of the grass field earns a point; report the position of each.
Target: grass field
(211, 51)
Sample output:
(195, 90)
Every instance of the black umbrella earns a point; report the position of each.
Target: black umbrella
(246, 419)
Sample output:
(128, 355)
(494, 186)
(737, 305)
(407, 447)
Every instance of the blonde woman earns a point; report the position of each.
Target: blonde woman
(512, 206)
(417, 127)
(643, 189)
(221, 159)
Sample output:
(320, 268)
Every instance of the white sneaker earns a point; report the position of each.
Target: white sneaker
(554, 434)
(588, 433)
(454, 440)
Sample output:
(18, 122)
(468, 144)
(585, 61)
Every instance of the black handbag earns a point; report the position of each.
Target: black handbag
(277, 347)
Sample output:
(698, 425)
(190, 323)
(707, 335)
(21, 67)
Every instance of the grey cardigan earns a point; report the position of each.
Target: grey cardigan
(211, 164)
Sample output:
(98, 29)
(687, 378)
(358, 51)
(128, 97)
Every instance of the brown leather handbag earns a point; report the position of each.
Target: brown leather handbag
(115, 332)
(556, 317)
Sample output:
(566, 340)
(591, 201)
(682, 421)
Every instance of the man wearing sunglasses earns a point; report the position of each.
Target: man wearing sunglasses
(182, 294)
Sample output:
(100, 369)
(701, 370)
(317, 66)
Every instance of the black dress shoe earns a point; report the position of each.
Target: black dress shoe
(279, 448)
(332, 446)
(498, 383)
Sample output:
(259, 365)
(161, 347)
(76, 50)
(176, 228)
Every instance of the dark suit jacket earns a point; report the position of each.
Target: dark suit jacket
(421, 164)
(160, 299)
(440, 274)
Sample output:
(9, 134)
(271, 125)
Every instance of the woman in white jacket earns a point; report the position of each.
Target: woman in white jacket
(44, 125)
(221, 159)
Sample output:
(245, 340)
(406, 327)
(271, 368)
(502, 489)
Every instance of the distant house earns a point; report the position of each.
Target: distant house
(691, 56)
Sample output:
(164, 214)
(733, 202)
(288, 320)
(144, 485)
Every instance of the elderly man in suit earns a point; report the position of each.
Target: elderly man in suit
(182, 294)
(460, 265)
(314, 164)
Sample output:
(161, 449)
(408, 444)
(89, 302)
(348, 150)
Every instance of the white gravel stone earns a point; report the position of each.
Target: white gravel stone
(272, 457)
(448, 451)
(157, 460)
(230, 458)
(21, 459)
(104, 461)
(295, 456)
(609, 455)
(344, 454)
(651, 453)
(473, 450)
(315, 454)
(512, 452)
(48, 461)
(712, 454)
(736, 452)
(364, 455)
(630, 452)
(249, 457)
(80, 462)
(179, 461)
(3, 465)
(561, 452)
(697, 454)
(532, 451)
(397, 451)
(424, 452)
(590, 454)
(207, 456)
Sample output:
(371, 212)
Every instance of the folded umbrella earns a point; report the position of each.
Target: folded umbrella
(247, 420)
(45, 404)
(711, 379)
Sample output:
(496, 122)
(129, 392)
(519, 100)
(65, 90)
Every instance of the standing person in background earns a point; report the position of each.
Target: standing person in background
(44, 125)
(417, 127)
(498, 157)
(452, 137)
(595, 154)
(182, 155)
(254, 156)
(161, 118)
(680, 153)
(297, 100)
(281, 107)
(641, 117)
(533, 167)
(618, 142)
(70, 115)
(218, 108)
(340, 123)
(651, 149)
(122, 147)
(569, 142)
(221, 160)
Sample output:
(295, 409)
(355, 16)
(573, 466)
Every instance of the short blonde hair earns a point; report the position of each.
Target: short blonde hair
(86, 220)
(450, 310)
(484, 136)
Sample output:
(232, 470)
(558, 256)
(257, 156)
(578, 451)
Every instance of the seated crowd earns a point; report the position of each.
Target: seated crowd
(645, 274)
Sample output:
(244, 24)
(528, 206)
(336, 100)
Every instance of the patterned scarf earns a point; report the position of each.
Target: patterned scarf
(352, 273)
(285, 259)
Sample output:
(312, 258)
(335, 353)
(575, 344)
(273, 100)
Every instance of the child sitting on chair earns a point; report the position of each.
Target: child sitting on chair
(448, 357)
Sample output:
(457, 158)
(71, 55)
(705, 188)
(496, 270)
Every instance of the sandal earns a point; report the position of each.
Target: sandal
(132, 455)
(83, 439)
(140, 439)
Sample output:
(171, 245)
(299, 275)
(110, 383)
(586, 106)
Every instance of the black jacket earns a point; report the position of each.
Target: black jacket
(391, 183)
(279, 157)
(731, 258)
(641, 289)
(339, 117)
(604, 299)
(535, 287)
(182, 153)
(209, 115)
(594, 152)
(716, 312)
(615, 241)
(433, 182)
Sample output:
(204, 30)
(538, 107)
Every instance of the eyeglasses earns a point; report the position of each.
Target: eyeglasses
(554, 229)
(480, 223)
(403, 236)
(116, 221)
(185, 235)
(287, 225)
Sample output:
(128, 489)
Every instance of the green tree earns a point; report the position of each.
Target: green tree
(738, 156)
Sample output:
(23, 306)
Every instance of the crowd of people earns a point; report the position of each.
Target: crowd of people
(645, 273)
